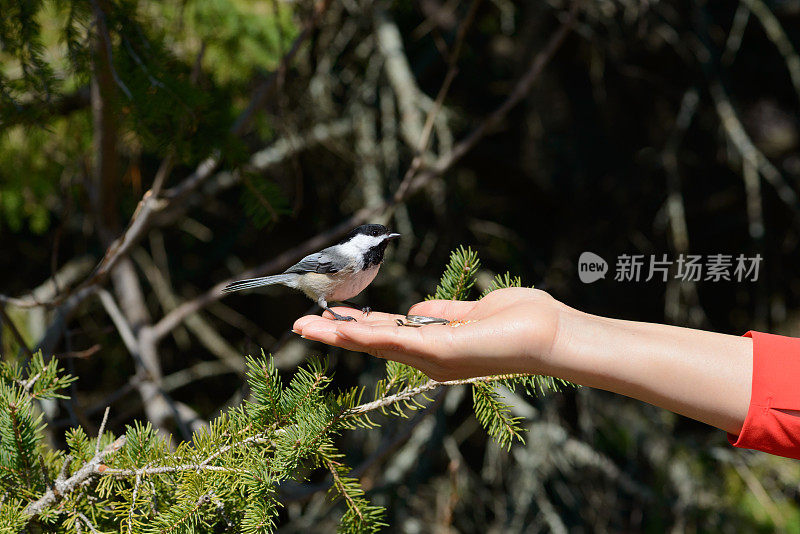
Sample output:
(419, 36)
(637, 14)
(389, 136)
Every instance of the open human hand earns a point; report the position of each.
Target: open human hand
(509, 331)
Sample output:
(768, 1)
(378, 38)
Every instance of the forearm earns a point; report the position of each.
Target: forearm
(702, 375)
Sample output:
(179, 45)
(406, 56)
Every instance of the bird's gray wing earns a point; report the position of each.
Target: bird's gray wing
(325, 261)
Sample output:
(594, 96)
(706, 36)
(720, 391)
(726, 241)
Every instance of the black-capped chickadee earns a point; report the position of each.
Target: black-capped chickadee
(336, 273)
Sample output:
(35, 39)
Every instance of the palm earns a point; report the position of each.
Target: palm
(509, 331)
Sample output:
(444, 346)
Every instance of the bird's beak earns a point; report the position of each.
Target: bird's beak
(392, 236)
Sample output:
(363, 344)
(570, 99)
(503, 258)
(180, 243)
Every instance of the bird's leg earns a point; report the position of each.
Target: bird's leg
(364, 309)
(324, 305)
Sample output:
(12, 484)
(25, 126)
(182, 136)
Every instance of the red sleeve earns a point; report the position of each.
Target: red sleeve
(770, 425)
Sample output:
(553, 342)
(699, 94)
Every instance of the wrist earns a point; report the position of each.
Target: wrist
(574, 353)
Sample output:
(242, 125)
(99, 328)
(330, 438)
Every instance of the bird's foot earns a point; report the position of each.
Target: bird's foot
(338, 317)
(366, 310)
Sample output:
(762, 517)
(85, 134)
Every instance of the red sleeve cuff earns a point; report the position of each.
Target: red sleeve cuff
(772, 423)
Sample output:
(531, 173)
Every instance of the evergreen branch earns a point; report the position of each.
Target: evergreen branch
(494, 415)
(502, 281)
(44, 378)
(201, 466)
(22, 453)
(413, 392)
(61, 488)
(459, 275)
(187, 515)
(343, 490)
(261, 438)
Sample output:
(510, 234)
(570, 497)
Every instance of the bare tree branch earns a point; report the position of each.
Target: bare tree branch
(410, 185)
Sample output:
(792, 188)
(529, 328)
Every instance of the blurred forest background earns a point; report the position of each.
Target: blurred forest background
(153, 151)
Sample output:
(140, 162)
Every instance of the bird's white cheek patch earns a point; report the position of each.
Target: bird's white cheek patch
(357, 246)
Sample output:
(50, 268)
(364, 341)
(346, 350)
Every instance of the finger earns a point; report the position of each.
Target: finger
(446, 309)
(300, 323)
(362, 338)
(387, 341)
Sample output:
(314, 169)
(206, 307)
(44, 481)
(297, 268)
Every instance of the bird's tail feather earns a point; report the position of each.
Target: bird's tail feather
(258, 282)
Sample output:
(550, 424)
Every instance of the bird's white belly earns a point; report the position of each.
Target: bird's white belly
(339, 286)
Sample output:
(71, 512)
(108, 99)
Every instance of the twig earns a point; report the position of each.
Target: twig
(683, 291)
(674, 205)
(62, 488)
(777, 35)
(198, 371)
(79, 354)
(413, 392)
(292, 144)
(28, 384)
(147, 471)
(522, 88)
(102, 429)
(62, 475)
(739, 138)
(452, 70)
(48, 290)
(124, 329)
(205, 331)
(740, 19)
(337, 481)
(156, 401)
(88, 523)
(134, 494)
(201, 466)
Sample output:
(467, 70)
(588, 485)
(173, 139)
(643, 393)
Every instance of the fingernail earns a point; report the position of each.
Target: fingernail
(296, 332)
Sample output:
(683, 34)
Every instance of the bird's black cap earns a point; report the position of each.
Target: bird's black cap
(374, 230)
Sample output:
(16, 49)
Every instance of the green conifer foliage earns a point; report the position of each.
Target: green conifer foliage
(228, 477)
